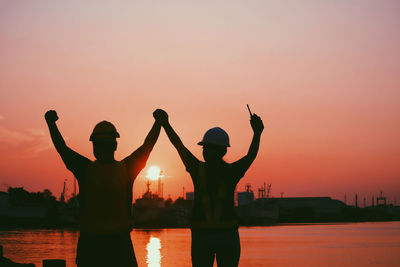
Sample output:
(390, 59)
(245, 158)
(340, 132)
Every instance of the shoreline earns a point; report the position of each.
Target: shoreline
(17, 228)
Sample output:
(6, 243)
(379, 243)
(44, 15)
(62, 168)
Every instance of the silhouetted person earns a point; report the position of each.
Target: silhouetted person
(213, 222)
(105, 193)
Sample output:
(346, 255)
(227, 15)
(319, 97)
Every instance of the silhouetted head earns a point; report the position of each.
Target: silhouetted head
(215, 142)
(213, 153)
(104, 139)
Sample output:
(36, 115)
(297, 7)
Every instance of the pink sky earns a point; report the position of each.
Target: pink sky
(324, 76)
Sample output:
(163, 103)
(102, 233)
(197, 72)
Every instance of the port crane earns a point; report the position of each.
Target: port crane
(62, 198)
(264, 191)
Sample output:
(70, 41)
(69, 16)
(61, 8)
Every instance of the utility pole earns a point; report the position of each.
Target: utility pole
(268, 190)
(356, 201)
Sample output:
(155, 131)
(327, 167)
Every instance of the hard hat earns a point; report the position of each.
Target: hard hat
(104, 130)
(215, 136)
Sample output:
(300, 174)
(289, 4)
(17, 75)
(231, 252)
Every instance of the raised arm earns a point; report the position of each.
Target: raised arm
(187, 157)
(140, 155)
(71, 159)
(244, 163)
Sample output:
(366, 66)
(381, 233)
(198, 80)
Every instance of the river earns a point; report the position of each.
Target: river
(351, 244)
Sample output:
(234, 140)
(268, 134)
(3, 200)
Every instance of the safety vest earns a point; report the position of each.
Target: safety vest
(107, 198)
(212, 216)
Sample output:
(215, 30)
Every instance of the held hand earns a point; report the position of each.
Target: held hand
(51, 116)
(256, 124)
(160, 116)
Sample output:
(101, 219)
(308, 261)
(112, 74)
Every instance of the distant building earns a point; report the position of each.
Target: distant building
(3, 203)
(318, 204)
(245, 198)
(189, 195)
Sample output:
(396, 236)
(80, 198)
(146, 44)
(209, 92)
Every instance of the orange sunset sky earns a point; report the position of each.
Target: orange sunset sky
(323, 75)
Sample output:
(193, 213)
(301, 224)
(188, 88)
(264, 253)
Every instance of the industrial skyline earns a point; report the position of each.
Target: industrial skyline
(322, 76)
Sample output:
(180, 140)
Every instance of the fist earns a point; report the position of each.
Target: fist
(256, 124)
(51, 116)
(160, 116)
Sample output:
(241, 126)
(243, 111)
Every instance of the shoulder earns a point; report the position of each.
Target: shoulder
(227, 167)
(196, 169)
(132, 168)
(80, 168)
(135, 160)
(234, 171)
(192, 166)
(121, 164)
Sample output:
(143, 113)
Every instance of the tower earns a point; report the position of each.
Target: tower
(268, 190)
(62, 198)
(356, 201)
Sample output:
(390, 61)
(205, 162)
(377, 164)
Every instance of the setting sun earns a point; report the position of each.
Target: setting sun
(153, 173)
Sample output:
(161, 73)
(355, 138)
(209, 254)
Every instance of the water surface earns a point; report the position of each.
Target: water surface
(354, 244)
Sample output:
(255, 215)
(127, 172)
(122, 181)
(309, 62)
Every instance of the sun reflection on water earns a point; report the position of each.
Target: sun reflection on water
(153, 258)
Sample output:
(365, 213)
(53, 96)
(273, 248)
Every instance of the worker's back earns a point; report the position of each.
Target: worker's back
(106, 198)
